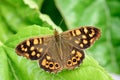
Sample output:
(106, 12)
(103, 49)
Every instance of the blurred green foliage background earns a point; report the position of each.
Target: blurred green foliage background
(15, 15)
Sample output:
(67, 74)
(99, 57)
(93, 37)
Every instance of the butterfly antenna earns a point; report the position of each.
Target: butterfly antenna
(55, 31)
(60, 22)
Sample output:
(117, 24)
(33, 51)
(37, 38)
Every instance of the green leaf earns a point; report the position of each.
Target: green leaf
(4, 31)
(81, 12)
(24, 69)
(18, 14)
(4, 66)
(104, 14)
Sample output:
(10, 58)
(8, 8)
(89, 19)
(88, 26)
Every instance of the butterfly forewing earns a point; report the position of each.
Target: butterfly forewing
(32, 48)
(82, 37)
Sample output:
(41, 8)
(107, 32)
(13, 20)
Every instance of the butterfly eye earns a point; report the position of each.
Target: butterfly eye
(74, 61)
(57, 65)
(69, 63)
(51, 66)
(77, 58)
(47, 65)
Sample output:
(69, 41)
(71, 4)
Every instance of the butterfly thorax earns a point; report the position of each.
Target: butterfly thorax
(57, 37)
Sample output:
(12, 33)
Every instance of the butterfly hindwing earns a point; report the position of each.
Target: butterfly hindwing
(72, 55)
(51, 61)
(50, 64)
(75, 59)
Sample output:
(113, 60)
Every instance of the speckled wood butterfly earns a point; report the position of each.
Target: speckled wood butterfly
(59, 51)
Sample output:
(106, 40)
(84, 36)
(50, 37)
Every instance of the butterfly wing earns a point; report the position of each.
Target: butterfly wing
(51, 61)
(32, 48)
(82, 37)
(43, 49)
(73, 43)
(71, 55)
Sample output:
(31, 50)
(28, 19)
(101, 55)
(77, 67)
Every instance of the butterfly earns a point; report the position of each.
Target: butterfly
(59, 51)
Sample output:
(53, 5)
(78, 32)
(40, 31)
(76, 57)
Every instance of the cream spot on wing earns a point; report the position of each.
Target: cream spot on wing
(28, 43)
(92, 40)
(81, 45)
(73, 33)
(84, 36)
(47, 64)
(48, 57)
(41, 49)
(35, 41)
(40, 41)
(44, 62)
(25, 49)
(21, 46)
(33, 53)
(85, 30)
(92, 34)
(32, 48)
(27, 55)
(73, 52)
(38, 55)
(77, 32)
(76, 41)
(85, 41)
(79, 54)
